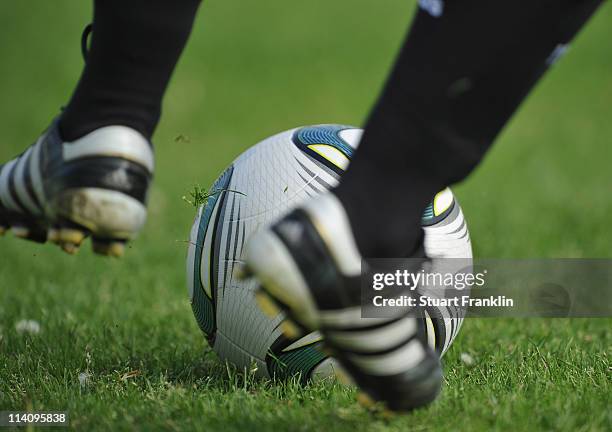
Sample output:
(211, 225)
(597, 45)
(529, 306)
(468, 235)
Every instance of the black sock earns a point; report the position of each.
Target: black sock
(135, 45)
(459, 78)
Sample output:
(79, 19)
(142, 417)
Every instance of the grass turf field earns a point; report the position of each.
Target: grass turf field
(544, 191)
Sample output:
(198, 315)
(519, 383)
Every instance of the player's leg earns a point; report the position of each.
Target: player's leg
(134, 48)
(464, 69)
(90, 171)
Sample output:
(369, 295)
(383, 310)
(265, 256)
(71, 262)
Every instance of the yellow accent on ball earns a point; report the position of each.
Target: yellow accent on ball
(442, 201)
(331, 153)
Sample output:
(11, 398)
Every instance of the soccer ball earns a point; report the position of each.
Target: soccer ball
(261, 185)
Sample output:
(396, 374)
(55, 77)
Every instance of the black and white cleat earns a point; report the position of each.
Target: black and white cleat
(64, 192)
(308, 265)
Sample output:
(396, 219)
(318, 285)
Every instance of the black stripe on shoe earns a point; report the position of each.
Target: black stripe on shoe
(111, 173)
(317, 267)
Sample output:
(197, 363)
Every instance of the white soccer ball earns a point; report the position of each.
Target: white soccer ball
(261, 185)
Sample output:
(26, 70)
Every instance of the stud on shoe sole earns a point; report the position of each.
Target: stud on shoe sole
(290, 329)
(112, 248)
(34, 234)
(365, 400)
(377, 408)
(343, 377)
(20, 231)
(70, 248)
(266, 304)
(53, 235)
(71, 235)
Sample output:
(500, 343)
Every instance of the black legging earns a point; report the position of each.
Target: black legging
(464, 69)
(135, 45)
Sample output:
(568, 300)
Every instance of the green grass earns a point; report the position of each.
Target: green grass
(542, 192)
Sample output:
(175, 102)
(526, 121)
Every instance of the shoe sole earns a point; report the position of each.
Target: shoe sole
(110, 218)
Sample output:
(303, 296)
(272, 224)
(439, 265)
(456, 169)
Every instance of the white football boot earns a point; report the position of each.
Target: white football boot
(65, 191)
(308, 265)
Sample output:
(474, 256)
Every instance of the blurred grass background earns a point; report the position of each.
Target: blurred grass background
(251, 70)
